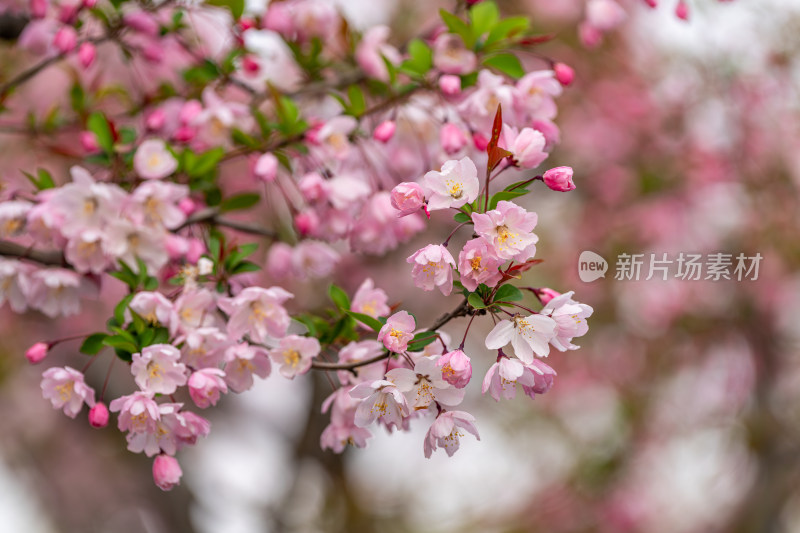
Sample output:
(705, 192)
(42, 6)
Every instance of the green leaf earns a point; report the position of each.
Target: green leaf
(98, 125)
(507, 28)
(506, 63)
(372, 323)
(93, 343)
(244, 266)
(239, 201)
(483, 16)
(505, 195)
(420, 58)
(421, 340)
(462, 217)
(235, 6)
(508, 293)
(239, 254)
(476, 301)
(120, 343)
(358, 103)
(200, 165)
(121, 307)
(458, 26)
(242, 138)
(339, 297)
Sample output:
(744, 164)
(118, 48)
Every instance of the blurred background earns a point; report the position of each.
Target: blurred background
(681, 411)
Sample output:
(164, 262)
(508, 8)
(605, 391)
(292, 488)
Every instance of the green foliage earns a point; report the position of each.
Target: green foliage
(506, 63)
(372, 323)
(508, 293)
(99, 125)
(421, 340)
(339, 297)
(236, 7)
(43, 179)
(93, 343)
(420, 59)
(239, 202)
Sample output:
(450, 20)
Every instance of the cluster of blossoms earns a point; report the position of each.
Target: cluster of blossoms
(354, 171)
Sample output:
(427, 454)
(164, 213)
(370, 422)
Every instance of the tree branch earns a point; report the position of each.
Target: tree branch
(45, 257)
(211, 216)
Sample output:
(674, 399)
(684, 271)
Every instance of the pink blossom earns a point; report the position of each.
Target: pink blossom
(153, 307)
(559, 179)
(379, 399)
(369, 300)
(604, 15)
(193, 310)
(98, 415)
(13, 216)
(397, 332)
(450, 85)
(534, 94)
(384, 131)
(425, 385)
(36, 353)
(54, 291)
(84, 203)
(451, 56)
(564, 74)
(478, 263)
(153, 161)
(158, 369)
(444, 432)
(142, 22)
(314, 187)
(682, 10)
(66, 390)
(190, 428)
(552, 135)
(480, 107)
(89, 142)
(206, 385)
(126, 241)
(85, 252)
(66, 39)
(570, 318)
(509, 229)
(138, 412)
(452, 138)
(545, 295)
(456, 368)
(266, 167)
(355, 352)
(333, 136)
(455, 185)
(14, 284)
(155, 203)
(294, 354)
(280, 260)
(373, 50)
(204, 347)
(342, 429)
(527, 335)
(433, 267)
(166, 472)
(314, 259)
(408, 198)
(526, 146)
(257, 312)
(504, 376)
(242, 362)
(543, 378)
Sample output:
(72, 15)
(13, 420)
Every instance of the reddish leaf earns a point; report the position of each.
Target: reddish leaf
(497, 128)
(536, 39)
(525, 266)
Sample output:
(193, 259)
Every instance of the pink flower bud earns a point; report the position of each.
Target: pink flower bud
(266, 167)
(38, 8)
(559, 179)
(682, 10)
(89, 142)
(176, 246)
(37, 352)
(250, 64)
(141, 22)
(407, 197)
(247, 23)
(153, 52)
(184, 134)
(545, 295)
(651, 3)
(196, 250)
(66, 39)
(456, 368)
(189, 111)
(450, 85)
(89, 4)
(384, 131)
(98, 415)
(307, 223)
(564, 74)
(480, 141)
(156, 120)
(86, 54)
(187, 206)
(166, 472)
(67, 14)
(452, 138)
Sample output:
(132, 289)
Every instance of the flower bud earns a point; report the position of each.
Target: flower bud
(384, 131)
(266, 167)
(89, 142)
(450, 85)
(452, 138)
(559, 179)
(545, 295)
(66, 39)
(37, 352)
(456, 368)
(98, 415)
(564, 73)
(38, 8)
(86, 54)
(156, 120)
(166, 472)
(407, 197)
(480, 141)
(206, 385)
(250, 65)
(682, 10)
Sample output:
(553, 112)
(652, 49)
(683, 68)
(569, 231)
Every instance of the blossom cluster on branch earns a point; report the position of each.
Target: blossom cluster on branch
(351, 146)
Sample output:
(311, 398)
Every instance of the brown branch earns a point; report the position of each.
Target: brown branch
(45, 257)
(211, 215)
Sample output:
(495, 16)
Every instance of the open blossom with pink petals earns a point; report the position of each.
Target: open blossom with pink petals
(373, 50)
(126, 241)
(456, 368)
(266, 167)
(153, 307)
(454, 185)
(397, 332)
(433, 267)
(408, 198)
(66, 389)
(509, 229)
(451, 56)
(527, 335)
(294, 354)
(333, 136)
(204, 347)
(206, 385)
(570, 317)
(54, 291)
(138, 412)
(361, 351)
(193, 309)
(85, 252)
(257, 312)
(534, 95)
(369, 300)
(84, 203)
(425, 385)
(503, 377)
(242, 362)
(379, 399)
(155, 203)
(526, 146)
(342, 430)
(13, 217)
(478, 263)
(153, 161)
(480, 107)
(158, 369)
(14, 284)
(444, 432)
